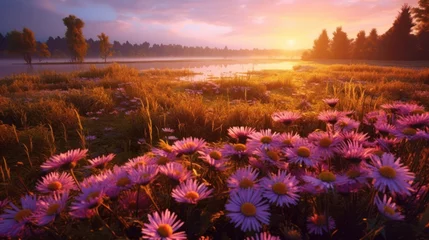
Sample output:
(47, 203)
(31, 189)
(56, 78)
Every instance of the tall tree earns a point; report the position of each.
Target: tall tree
(372, 45)
(359, 50)
(22, 43)
(321, 47)
(340, 46)
(398, 43)
(43, 51)
(421, 16)
(105, 46)
(75, 39)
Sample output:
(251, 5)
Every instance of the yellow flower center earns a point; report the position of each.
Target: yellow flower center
(162, 160)
(216, 155)
(320, 220)
(417, 111)
(192, 195)
(24, 213)
(122, 182)
(248, 209)
(279, 188)
(165, 230)
(409, 131)
(70, 165)
(353, 174)
(246, 183)
(342, 124)
(189, 145)
(266, 139)
(327, 176)
(389, 210)
(387, 172)
(378, 153)
(54, 186)
(273, 155)
(52, 210)
(303, 152)
(137, 164)
(325, 142)
(239, 147)
(287, 142)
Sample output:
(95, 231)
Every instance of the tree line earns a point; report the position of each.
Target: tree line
(407, 39)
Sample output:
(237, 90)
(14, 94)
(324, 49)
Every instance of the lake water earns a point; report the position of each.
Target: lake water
(207, 67)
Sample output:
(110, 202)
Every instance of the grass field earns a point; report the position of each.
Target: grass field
(145, 115)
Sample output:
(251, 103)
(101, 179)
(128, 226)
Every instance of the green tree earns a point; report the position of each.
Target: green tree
(340, 46)
(105, 46)
(22, 43)
(359, 50)
(43, 51)
(372, 44)
(75, 39)
(321, 47)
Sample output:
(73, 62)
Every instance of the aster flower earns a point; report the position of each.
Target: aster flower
(117, 180)
(303, 153)
(410, 134)
(387, 143)
(273, 157)
(346, 124)
(410, 108)
(101, 161)
(388, 173)
(95, 180)
(167, 130)
(263, 236)
(85, 204)
(317, 224)
(240, 133)
(248, 210)
(175, 171)
(332, 102)
(214, 157)
(418, 121)
(330, 116)
(56, 182)
(128, 200)
(325, 143)
(189, 146)
(143, 174)
(49, 207)
(352, 151)
(353, 179)
(235, 150)
(287, 140)
(361, 138)
(14, 220)
(375, 116)
(138, 161)
(190, 192)
(388, 208)
(384, 128)
(68, 159)
(163, 227)
(263, 139)
(161, 158)
(285, 117)
(281, 189)
(324, 180)
(392, 107)
(243, 178)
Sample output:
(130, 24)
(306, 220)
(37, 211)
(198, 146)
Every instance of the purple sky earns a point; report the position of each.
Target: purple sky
(285, 24)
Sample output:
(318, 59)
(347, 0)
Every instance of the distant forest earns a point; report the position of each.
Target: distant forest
(407, 39)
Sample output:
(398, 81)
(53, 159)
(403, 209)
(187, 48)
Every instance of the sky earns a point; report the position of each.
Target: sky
(264, 24)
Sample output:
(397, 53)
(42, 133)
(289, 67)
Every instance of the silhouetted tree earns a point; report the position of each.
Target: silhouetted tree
(321, 47)
(398, 43)
(421, 16)
(372, 45)
(105, 46)
(75, 39)
(22, 43)
(359, 50)
(43, 51)
(340, 45)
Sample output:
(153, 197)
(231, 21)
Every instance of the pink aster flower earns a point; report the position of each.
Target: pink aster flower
(352, 151)
(388, 173)
(263, 236)
(240, 133)
(417, 121)
(189, 146)
(332, 102)
(190, 192)
(117, 180)
(13, 222)
(101, 161)
(330, 116)
(67, 160)
(359, 137)
(353, 179)
(411, 134)
(273, 157)
(388, 208)
(161, 158)
(317, 224)
(56, 182)
(175, 171)
(303, 153)
(286, 117)
(248, 210)
(410, 108)
(235, 150)
(281, 189)
(324, 180)
(85, 204)
(263, 139)
(243, 178)
(346, 124)
(288, 139)
(163, 227)
(214, 157)
(326, 144)
(49, 207)
(138, 161)
(384, 128)
(143, 174)
(128, 201)
(387, 143)
(375, 116)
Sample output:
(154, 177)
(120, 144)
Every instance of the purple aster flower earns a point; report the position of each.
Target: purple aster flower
(274, 157)
(189, 146)
(175, 171)
(394, 107)
(388, 173)
(138, 161)
(128, 201)
(263, 139)
(240, 133)
(49, 207)
(375, 116)
(101, 161)
(143, 174)
(190, 192)
(243, 178)
(410, 134)
(287, 140)
(330, 116)
(317, 224)
(163, 227)
(4, 203)
(67, 160)
(235, 150)
(167, 130)
(281, 189)
(56, 182)
(332, 102)
(286, 117)
(117, 180)
(353, 179)
(303, 153)
(85, 204)
(13, 222)
(326, 144)
(324, 180)
(419, 121)
(161, 158)
(352, 151)
(384, 128)
(263, 236)
(248, 210)
(388, 208)
(346, 124)
(410, 108)
(94, 180)
(361, 138)
(387, 143)
(214, 157)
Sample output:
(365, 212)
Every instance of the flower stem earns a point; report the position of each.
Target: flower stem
(151, 198)
(75, 179)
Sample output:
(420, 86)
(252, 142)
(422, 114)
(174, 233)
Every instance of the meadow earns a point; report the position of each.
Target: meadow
(317, 152)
